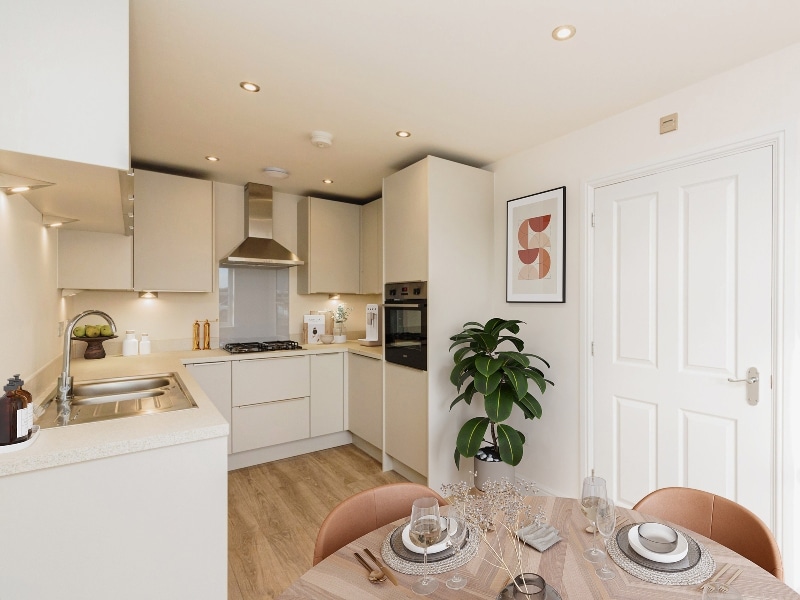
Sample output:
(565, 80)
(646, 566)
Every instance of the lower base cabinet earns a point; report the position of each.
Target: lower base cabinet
(271, 401)
(259, 425)
(365, 398)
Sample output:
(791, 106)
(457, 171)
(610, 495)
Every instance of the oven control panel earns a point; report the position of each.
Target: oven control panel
(406, 290)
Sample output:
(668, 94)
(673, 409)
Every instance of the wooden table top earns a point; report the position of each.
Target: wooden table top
(340, 577)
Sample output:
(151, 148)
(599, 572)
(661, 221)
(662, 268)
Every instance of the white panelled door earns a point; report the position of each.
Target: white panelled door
(681, 304)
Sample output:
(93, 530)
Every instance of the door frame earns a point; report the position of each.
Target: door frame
(775, 141)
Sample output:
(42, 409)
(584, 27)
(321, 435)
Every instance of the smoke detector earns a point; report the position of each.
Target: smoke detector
(276, 172)
(322, 139)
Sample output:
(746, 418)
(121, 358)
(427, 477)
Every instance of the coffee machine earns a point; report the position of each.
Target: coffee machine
(373, 337)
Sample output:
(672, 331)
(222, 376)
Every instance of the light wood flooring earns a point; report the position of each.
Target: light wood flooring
(275, 510)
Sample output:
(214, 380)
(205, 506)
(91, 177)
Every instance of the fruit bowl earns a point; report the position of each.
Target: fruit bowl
(94, 348)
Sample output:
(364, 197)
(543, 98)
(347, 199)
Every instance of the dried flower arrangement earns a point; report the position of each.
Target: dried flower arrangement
(497, 514)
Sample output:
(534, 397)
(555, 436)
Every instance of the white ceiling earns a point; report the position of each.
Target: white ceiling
(474, 81)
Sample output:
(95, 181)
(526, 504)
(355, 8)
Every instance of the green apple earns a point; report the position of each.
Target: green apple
(106, 330)
(79, 331)
(92, 331)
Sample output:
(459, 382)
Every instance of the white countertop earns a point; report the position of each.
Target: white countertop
(90, 441)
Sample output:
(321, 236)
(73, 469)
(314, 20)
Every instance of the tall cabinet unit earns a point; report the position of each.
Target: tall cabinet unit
(438, 218)
(372, 248)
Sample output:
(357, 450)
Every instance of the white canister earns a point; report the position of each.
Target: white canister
(144, 344)
(130, 345)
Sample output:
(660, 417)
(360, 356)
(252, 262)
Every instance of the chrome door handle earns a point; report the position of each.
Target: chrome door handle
(751, 380)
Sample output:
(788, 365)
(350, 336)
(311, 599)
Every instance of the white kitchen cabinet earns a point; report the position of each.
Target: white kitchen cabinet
(328, 235)
(372, 248)
(173, 233)
(215, 379)
(270, 379)
(407, 416)
(435, 213)
(89, 260)
(327, 394)
(277, 422)
(365, 398)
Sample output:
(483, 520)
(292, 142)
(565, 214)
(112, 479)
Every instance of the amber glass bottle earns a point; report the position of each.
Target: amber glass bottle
(28, 399)
(21, 407)
(8, 417)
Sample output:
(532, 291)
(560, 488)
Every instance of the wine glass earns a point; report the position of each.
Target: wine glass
(424, 531)
(605, 522)
(456, 532)
(594, 490)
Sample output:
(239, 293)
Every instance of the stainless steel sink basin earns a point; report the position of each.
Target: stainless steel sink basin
(103, 399)
(120, 385)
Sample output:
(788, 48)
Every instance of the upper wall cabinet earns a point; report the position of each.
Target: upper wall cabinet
(89, 260)
(372, 247)
(173, 236)
(328, 241)
(68, 62)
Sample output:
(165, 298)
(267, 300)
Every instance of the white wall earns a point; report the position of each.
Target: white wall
(30, 305)
(755, 99)
(66, 68)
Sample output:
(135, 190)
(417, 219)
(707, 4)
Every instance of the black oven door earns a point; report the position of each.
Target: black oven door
(406, 334)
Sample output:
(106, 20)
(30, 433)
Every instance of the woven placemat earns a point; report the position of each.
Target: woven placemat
(697, 574)
(466, 554)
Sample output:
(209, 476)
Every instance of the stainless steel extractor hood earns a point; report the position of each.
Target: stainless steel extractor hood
(259, 249)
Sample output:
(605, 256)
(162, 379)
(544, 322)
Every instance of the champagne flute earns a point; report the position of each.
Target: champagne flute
(606, 521)
(424, 531)
(456, 532)
(594, 490)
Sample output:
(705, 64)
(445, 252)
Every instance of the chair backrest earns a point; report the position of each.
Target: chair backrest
(366, 511)
(719, 519)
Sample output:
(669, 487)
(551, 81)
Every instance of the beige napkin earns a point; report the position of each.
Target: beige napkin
(540, 537)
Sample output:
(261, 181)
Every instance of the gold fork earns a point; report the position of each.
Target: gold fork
(707, 585)
(727, 585)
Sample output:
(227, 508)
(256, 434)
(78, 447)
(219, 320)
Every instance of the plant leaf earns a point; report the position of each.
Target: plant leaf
(516, 357)
(457, 457)
(487, 365)
(470, 437)
(520, 345)
(540, 358)
(500, 403)
(459, 355)
(517, 379)
(510, 444)
(487, 384)
(531, 405)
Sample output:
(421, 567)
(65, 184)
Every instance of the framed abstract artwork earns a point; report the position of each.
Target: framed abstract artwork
(536, 229)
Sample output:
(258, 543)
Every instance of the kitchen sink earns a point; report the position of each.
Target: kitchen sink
(116, 398)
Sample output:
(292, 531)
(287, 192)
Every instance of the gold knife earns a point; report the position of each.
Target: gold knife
(381, 568)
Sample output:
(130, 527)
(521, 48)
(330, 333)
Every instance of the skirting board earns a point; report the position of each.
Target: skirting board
(367, 448)
(240, 460)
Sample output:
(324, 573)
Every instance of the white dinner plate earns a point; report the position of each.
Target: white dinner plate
(679, 553)
(436, 547)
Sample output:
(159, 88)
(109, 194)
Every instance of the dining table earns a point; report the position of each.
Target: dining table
(563, 567)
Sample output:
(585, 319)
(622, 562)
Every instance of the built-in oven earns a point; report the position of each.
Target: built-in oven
(406, 324)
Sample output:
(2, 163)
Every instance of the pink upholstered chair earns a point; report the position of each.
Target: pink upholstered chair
(719, 519)
(365, 511)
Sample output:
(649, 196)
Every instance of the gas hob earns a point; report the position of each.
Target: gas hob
(245, 347)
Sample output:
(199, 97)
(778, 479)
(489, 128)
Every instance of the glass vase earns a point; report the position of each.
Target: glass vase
(339, 332)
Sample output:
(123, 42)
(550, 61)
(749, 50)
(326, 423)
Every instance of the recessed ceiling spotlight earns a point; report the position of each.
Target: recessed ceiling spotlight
(322, 139)
(212, 158)
(403, 134)
(327, 181)
(249, 86)
(563, 32)
(276, 172)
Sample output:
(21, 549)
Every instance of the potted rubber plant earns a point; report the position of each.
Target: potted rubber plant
(490, 363)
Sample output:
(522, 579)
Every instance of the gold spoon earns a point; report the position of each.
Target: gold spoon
(374, 575)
